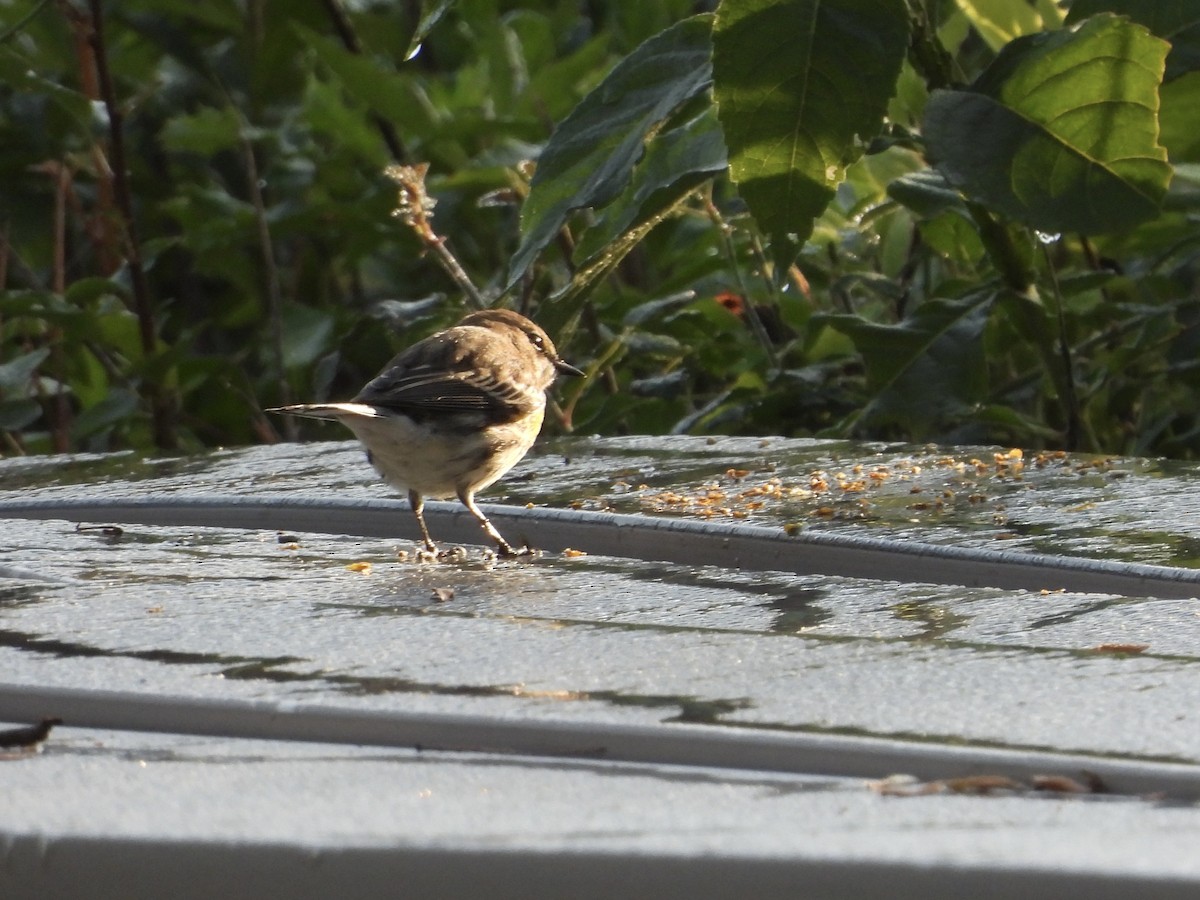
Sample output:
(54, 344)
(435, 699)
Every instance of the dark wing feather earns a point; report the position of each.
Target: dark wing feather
(438, 376)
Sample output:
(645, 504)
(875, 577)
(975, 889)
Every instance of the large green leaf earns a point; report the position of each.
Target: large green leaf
(1177, 21)
(926, 367)
(676, 161)
(588, 159)
(1061, 131)
(801, 85)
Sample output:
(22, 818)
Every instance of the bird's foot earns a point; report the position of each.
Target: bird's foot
(506, 551)
(435, 554)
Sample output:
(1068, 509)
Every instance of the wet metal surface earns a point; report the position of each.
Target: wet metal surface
(248, 614)
(263, 614)
(1106, 507)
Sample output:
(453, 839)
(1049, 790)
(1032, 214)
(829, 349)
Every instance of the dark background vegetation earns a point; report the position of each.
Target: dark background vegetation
(195, 221)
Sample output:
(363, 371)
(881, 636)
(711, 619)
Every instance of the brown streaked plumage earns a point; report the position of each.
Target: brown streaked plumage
(451, 414)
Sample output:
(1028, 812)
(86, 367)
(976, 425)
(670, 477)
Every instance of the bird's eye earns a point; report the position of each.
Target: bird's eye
(536, 340)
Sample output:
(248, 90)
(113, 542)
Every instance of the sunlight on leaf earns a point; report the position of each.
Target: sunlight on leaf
(801, 85)
(1000, 21)
(1061, 131)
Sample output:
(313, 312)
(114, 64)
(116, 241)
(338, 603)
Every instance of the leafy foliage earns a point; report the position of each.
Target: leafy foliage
(593, 152)
(957, 220)
(1060, 131)
(800, 87)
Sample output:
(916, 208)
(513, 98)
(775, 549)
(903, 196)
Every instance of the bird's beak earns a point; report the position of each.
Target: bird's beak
(567, 369)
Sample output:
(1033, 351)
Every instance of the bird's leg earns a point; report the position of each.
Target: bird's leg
(417, 502)
(468, 500)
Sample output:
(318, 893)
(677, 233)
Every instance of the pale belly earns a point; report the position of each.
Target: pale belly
(436, 464)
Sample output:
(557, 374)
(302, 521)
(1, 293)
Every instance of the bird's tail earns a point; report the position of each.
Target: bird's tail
(332, 411)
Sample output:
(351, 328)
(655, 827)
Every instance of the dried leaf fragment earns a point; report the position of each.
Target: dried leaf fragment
(1121, 648)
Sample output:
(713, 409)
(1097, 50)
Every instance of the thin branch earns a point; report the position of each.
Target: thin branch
(60, 426)
(164, 432)
(415, 209)
(266, 247)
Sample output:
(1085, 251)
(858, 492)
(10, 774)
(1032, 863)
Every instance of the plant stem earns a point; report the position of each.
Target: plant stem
(926, 52)
(1074, 426)
(271, 271)
(725, 230)
(160, 407)
(415, 209)
(997, 241)
(60, 432)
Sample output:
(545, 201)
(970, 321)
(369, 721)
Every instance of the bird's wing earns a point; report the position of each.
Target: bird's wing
(435, 376)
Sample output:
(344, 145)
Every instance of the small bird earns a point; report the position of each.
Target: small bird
(451, 414)
(28, 739)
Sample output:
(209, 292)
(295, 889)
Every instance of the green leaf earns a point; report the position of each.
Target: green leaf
(16, 75)
(653, 309)
(385, 92)
(555, 87)
(85, 290)
(208, 131)
(431, 13)
(221, 15)
(1001, 21)
(118, 405)
(926, 192)
(1180, 135)
(675, 162)
(928, 366)
(17, 414)
(953, 235)
(306, 334)
(328, 113)
(1177, 21)
(1019, 427)
(15, 374)
(1060, 132)
(588, 160)
(801, 86)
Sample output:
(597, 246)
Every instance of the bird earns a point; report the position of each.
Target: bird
(28, 739)
(450, 415)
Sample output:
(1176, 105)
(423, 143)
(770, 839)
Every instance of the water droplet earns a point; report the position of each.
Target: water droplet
(1047, 238)
(412, 54)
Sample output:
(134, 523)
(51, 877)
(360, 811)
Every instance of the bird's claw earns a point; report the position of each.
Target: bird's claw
(506, 551)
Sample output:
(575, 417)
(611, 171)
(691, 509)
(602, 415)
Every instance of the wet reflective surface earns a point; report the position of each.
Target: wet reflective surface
(1134, 509)
(244, 613)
